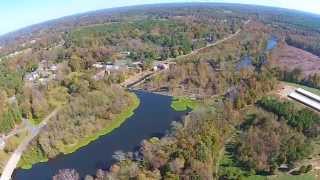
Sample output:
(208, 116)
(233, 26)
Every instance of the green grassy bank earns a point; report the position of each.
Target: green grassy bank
(183, 103)
(37, 156)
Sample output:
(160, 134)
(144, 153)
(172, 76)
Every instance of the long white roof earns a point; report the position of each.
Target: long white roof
(305, 100)
(308, 94)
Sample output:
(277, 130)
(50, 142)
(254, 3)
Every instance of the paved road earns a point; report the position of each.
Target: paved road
(16, 155)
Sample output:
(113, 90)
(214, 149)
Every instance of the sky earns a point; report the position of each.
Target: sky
(16, 14)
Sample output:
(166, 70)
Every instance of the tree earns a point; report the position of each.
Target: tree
(67, 174)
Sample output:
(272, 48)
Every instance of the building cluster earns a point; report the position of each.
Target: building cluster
(43, 74)
(104, 69)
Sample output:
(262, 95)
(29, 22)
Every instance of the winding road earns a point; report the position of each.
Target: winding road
(16, 155)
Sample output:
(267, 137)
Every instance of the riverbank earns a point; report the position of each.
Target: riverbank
(152, 118)
(183, 103)
(121, 118)
(38, 156)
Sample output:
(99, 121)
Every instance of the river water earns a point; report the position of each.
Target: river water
(151, 119)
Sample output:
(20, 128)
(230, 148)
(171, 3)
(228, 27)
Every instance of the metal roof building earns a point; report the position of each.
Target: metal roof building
(305, 99)
(308, 94)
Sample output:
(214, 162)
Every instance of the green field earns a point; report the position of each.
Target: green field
(183, 103)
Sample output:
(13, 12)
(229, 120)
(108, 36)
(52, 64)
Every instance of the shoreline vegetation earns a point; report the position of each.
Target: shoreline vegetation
(117, 122)
(183, 104)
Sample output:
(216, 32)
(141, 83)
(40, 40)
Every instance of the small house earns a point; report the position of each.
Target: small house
(161, 66)
(32, 76)
(98, 65)
(127, 53)
(2, 143)
(53, 68)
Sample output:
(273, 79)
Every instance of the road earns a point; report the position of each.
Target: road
(16, 155)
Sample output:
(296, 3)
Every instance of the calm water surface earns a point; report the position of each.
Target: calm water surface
(151, 119)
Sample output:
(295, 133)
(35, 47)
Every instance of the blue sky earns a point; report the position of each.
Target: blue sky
(15, 14)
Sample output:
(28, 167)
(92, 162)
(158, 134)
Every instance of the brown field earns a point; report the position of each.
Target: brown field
(287, 58)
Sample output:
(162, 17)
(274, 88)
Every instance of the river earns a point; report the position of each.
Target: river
(151, 119)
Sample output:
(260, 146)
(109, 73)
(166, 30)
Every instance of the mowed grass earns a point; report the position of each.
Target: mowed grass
(183, 103)
(313, 90)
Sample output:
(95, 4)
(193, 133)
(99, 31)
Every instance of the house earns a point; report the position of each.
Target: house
(161, 66)
(98, 65)
(284, 167)
(112, 67)
(127, 53)
(32, 76)
(2, 143)
(33, 41)
(138, 64)
(155, 68)
(53, 68)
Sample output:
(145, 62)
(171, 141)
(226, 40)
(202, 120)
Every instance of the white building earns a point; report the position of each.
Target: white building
(53, 68)
(98, 65)
(2, 143)
(160, 66)
(305, 99)
(112, 67)
(32, 76)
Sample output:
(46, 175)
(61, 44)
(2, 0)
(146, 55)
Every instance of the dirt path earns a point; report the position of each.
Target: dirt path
(16, 155)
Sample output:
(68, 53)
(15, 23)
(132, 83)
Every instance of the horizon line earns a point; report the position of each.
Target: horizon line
(148, 4)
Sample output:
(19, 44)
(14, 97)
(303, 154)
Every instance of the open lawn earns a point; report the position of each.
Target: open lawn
(183, 103)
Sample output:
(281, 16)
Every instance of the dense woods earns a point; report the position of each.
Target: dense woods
(304, 120)
(267, 142)
(152, 39)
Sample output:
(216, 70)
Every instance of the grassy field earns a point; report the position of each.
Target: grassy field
(182, 103)
(37, 155)
(313, 90)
